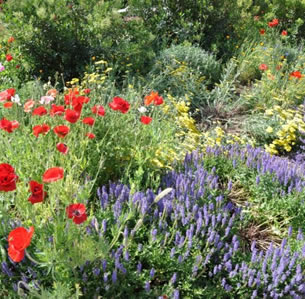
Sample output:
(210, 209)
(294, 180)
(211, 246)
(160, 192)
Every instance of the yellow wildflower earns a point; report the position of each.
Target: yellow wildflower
(269, 130)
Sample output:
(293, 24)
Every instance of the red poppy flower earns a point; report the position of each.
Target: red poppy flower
(18, 66)
(77, 212)
(7, 94)
(296, 74)
(8, 105)
(146, 119)
(7, 125)
(11, 92)
(15, 255)
(80, 99)
(9, 57)
(18, 240)
(119, 104)
(61, 131)
(62, 148)
(78, 107)
(37, 130)
(87, 91)
(53, 174)
(78, 102)
(38, 194)
(273, 23)
(8, 178)
(284, 33)
(99, 110)
(262, 31)
(158, 101)
(68, 98)
(57, 110)
(41, 129)
(40, 111)
(90, 135)
(153, 97)
(263, 67)
(88, 121)
(71, 95)
(72, 116)
(11, 39)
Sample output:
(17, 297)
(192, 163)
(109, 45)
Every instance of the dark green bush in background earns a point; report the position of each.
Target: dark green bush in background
(60, 36)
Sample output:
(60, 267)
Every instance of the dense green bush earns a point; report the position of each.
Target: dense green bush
(205, 22)
(54, 36)
(123, 41)
(220, 26)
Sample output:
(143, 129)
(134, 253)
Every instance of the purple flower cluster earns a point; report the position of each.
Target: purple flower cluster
(192, 216)
(206, 222)
(288, 173)
(275, 273)
(116, 195)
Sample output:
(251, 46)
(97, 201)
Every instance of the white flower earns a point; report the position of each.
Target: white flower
(142, 109)
(46, 99)
(16, 99)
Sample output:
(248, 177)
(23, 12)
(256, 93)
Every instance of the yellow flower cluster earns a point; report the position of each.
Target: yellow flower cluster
(292, 124)
(97, 77)
(219, 137)
(191, 137)
(94, 78)
(187, 131)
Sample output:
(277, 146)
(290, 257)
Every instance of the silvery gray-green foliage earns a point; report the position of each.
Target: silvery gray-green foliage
(185, 69)
(193, 57)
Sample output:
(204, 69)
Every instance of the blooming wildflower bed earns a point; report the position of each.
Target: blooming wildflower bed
(114, 192)
(156, 245)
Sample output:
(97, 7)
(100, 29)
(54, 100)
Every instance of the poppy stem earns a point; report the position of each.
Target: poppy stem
(19, 289)
(31, 259)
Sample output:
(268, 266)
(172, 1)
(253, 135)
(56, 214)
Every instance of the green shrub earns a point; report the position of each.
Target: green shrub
(182, 70)
(54, 36)
(123, 41)
(276, 85)
(218, 26)
(206, 23)
(12, 70)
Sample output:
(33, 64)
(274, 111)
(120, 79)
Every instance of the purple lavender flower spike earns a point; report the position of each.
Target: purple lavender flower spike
(174, 278)
(176, 294)
(139, 268)
(147, 286)
(152, 273)
(114, 276)
(96, 271)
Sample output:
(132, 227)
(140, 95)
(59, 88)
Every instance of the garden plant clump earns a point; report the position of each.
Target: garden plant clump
(152, 149)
